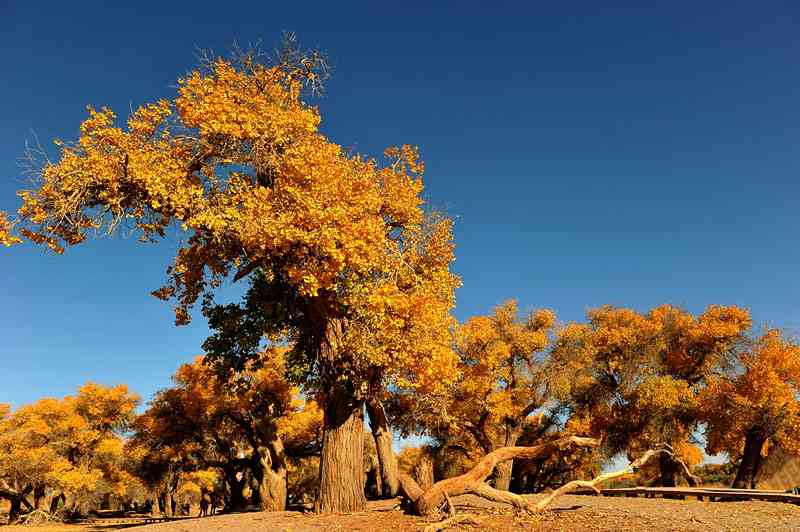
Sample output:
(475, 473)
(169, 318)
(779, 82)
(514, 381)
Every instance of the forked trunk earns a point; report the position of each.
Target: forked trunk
(751, 460)
(341, 483)
(39, 497)
(383, 443)
(55, 501)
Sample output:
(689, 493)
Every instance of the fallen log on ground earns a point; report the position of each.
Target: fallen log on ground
(427, 502)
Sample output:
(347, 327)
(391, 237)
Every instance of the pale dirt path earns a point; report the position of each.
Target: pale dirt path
(570, 513)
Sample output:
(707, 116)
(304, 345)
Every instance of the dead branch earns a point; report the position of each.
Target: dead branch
(450, 521)
(428, 501)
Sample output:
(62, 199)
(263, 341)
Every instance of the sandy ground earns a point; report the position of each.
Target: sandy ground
(574, 512)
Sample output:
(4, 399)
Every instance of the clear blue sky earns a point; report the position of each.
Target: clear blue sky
(624, 155)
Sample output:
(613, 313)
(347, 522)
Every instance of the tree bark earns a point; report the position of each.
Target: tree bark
(751, 460)
(271, 476)
(341, 471)
(236, 486)
(39, 497)
(341, 483)
(15, 510)
(502, 474)
(383, 443)
(423, 472)
(669, 470)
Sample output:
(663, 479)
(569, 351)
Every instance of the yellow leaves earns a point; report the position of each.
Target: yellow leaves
(6, 237)
(663, 393)
(763, 396)
(148, 118)
(106, 408)
(64, 443)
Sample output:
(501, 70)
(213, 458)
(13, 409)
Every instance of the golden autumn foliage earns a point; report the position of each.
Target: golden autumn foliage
(637, 377)
(70, 446)
(755, 406)
(501, 378)
(237, 161)
(253, 424)
(501, 381)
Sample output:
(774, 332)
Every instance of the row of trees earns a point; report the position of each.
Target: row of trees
(248, 435)
(350, 274)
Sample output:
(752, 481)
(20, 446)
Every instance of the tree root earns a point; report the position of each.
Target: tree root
(37, 517)
(451, 521)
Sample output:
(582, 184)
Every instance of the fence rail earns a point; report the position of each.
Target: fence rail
(710, 494)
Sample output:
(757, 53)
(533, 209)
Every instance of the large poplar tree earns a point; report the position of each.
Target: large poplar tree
(356, 276)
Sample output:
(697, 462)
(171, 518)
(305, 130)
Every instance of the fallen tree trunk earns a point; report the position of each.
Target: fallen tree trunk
(428, 502)
(474, 481)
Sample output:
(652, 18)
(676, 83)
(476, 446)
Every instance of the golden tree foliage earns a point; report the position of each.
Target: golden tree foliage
(501, 378)
(71, 445)
(756, 405)
(502, 381)
(237, 161)
(205, 421)
(636, 377)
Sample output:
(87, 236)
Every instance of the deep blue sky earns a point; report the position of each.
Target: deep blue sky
(625, 155)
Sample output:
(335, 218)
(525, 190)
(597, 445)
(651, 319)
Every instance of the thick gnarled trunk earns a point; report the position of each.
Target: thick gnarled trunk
(383, 443)
(751, 460)
(341, 483)
(341, 471)
(271, 476)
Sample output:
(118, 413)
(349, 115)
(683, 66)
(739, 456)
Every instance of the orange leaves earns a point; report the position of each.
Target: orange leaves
(761, 397)
(243, 105)
(236, 161)
(500, 374)
(70, 444)
(6, 237)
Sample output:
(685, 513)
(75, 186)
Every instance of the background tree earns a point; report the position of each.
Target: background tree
(637, 376)
(208, 422)
(236, 161)
(755, 405)
(502, 382)
(68, 450)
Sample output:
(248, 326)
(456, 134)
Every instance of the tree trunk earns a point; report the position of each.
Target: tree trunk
(669, 470)
(341, 471)
(502, 473)
(341, 484)
(751, 460)
(383, 443)
(271, 477)
(236, 487)
(39, 499)
(423, 472)
(15, 510)
(54, 502)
